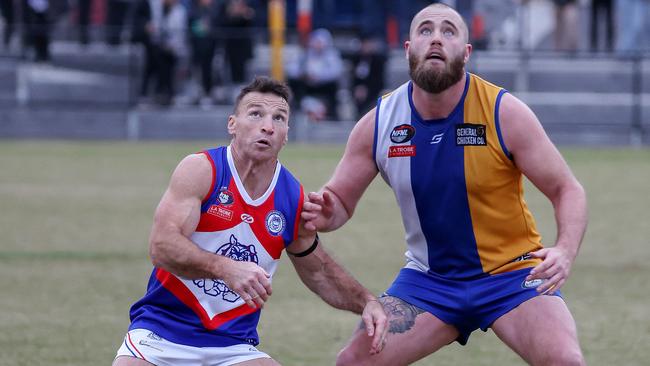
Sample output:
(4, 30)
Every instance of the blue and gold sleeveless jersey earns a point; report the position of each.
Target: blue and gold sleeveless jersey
(460, 194)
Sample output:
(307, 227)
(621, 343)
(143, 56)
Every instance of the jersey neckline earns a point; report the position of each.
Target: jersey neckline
(454, 112)
(240, 185)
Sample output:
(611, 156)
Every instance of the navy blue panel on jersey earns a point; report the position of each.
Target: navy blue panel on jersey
(287, 201)
(222, 174)
(440, 194)
(159, 304)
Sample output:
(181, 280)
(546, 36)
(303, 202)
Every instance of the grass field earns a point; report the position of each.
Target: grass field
(75, 217)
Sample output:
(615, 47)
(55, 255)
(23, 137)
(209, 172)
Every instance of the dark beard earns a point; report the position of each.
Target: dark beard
(435, 82)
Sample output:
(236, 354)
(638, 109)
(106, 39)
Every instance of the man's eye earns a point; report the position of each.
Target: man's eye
(425, 31)
(448, 33)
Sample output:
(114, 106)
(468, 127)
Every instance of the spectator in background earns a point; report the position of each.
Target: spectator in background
(169, 36)
(204, 21)
(36, 36)
(600, 9)
(83, 19)
(632, 25)
(160, 25)
(236, 19)
(315, 74)
(368, 73)
(117, 12)
(7, 12)
(566, 25)
(141, 33)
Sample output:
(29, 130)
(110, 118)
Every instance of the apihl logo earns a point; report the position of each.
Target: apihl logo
(275, 222)
(225, 197)
(233, 250)
(402, 133)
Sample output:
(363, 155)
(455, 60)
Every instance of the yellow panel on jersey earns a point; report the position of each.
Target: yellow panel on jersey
(503, 226)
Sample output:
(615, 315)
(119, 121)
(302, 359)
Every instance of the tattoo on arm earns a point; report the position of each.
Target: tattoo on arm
(401, 315)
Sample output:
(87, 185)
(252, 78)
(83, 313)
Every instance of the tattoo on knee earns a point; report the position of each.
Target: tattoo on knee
(401, 314)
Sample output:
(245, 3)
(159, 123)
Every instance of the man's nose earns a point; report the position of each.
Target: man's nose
(436, 37)
(267, 125)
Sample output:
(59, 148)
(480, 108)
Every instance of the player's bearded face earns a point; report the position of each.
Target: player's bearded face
(435, 80)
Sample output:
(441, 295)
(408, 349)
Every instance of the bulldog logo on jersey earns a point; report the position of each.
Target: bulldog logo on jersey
(225, 197)
(275, 222)
(233, 250)
(470, 134)
(402, 133)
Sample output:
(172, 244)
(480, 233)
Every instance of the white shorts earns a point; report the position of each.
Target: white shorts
(148, 346)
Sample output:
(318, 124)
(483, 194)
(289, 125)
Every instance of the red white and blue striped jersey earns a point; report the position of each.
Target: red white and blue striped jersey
(205, 312)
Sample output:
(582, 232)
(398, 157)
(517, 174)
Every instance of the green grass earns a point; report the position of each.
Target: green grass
(75, 218)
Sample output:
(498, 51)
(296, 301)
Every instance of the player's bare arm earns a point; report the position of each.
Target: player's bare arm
(539, 160)
(329, 280)
(335, 204)
(177, 217)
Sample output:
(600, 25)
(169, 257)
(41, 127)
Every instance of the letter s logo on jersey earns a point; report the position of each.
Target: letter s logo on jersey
(436, 138)
(402, 133)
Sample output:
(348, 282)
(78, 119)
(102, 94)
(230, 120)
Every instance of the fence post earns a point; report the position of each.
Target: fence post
(636, 128)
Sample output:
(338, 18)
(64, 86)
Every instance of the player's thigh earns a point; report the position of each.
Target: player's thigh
(542, 331)
(259, 362)
(130, 361)
(412, 334)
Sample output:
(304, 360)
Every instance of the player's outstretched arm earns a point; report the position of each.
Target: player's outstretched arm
(329, 280)
(176, 219)
(333, 206)
(540, 161)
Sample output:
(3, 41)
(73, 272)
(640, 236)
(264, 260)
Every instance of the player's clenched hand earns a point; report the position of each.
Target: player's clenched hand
(317, 211)
(375, 321)
(249, 281)
(555, 268)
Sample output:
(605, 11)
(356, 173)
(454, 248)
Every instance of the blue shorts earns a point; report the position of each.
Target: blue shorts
(465, 304)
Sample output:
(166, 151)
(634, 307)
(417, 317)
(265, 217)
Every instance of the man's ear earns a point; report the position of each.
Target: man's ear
(231, 124)
(468, 52)
(407, 44)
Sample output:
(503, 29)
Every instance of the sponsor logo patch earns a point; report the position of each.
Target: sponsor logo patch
(470, 134)
(247, 218)
(220, 212)
(275, 222)
(524, 257)
(146, 344)
(154, 336)
(532, 283)
(402, 133)
(401, 151)
(225, 197)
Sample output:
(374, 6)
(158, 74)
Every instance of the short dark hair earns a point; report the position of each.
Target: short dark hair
(263, 84)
